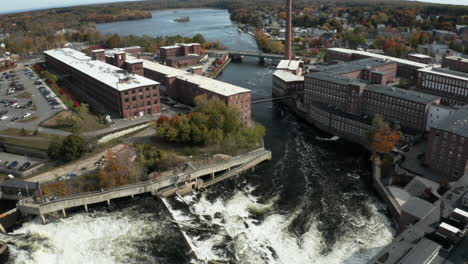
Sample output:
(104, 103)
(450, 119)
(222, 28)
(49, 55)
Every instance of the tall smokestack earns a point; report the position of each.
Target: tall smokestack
(287, 51)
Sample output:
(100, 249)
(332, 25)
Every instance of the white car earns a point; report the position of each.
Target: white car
(26, 115)
(4, 117)
(14, 104)
(11, 90)
(56, 107)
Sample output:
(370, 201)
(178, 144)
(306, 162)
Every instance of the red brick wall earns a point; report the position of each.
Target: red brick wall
(140, 100)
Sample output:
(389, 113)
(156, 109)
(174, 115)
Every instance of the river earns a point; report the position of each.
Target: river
(309, 204)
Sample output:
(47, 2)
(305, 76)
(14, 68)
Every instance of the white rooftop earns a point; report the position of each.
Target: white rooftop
(364, 53)
(291, 65)
(461, 212)
(429, 70)
(177, 45)
(206, 83)
(101, 71)
(419, 55)
(457, 58)
(287, 76)
(449, 227)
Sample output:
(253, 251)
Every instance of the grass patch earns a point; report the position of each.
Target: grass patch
(26, 138)
(88, 122)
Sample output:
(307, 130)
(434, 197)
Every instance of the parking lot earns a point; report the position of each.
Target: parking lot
(24, 102)
(11, 163)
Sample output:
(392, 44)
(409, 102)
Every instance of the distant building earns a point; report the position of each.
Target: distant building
(447, 148)
(455, 63)
(421, 58)
(452, 86)
(104, 86)
(405, 68)
(179, 50)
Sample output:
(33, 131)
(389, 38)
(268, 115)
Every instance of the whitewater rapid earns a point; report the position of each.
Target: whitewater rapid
(269, 241)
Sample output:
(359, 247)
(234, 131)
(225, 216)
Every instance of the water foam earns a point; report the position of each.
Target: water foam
(271, 242)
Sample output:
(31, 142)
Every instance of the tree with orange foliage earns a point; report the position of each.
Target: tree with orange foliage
(383, 137)
(282, 15)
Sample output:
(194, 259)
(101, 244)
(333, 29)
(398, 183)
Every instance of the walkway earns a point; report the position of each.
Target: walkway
(198, 177)
(77, 167)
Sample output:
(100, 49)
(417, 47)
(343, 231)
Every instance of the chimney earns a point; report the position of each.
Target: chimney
(287, 51)
(98, 55)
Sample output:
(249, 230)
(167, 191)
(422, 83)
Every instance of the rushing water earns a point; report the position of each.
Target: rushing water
(309, 204)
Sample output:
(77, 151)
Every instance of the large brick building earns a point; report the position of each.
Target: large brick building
(104, 86)
(405, 68)
(452, 86)
(373, 70)
(447, 150)
(179, 50)
(408, 108)
(185, 86)
(455, 63)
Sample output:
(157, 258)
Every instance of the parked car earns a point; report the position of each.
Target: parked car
(5, 163)
(14, 119)
(13, 165)
(4, 117)
(56, 107)
(26, 165)
(26, 115)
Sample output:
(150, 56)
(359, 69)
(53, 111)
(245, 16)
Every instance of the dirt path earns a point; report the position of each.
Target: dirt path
(77, 166)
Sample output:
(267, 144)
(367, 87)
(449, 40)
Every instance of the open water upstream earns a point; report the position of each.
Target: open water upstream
(309, 204)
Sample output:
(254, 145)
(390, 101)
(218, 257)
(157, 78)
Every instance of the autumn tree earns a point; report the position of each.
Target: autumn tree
(383, 137)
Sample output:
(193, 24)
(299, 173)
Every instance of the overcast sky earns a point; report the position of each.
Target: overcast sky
(20, 5)
(8, 6)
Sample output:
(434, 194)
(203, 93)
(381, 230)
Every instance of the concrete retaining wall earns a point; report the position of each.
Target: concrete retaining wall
(120, 133)
(25, 151)
(383, 191)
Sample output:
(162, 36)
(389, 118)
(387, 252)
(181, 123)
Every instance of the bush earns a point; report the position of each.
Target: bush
(70, 148)
(62, 92)
(76, 104)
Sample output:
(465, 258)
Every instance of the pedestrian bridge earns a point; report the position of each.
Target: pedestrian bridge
(260, 55)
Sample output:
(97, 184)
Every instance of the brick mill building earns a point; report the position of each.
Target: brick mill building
(185, 86)
(105, 86)
(180, 55)
(405, 68)
(455, 63)
(408, 108)
(421, 58)
(452, 86)
(447, 150)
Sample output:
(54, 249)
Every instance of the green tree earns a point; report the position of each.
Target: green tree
(114, 41)
(198, 38)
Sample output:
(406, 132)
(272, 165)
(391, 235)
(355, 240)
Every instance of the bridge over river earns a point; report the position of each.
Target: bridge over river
(233, 53)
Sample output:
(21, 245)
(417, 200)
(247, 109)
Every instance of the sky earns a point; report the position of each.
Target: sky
(8, 6)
